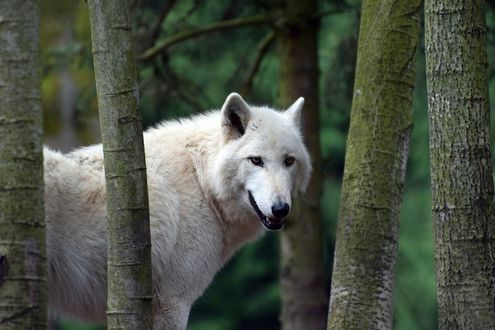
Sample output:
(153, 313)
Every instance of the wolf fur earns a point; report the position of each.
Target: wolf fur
(208, 195)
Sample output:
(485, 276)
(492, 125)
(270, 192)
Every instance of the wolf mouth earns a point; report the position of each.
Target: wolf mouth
(270, 223)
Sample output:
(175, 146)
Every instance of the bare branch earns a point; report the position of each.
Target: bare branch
(188, 34)
(232, 23)
(261, 51)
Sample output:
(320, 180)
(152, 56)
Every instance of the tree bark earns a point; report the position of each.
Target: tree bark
(303, 284)
(129, 246)
(461, 168)
(375, 164)
(22, 225)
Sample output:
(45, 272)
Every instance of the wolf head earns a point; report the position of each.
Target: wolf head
(263, 162)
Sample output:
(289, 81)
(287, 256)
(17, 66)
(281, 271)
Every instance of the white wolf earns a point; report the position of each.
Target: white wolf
(214, 181)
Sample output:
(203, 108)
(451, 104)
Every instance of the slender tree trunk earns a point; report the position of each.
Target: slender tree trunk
(129, 247)
(303, 285)
(461, 168)
(375, 165)
(22, 225)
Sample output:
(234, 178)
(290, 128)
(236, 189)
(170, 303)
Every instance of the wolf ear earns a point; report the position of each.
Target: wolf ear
(294, 111)
(235, 116)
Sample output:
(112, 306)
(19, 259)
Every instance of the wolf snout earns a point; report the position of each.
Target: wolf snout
(280, 210)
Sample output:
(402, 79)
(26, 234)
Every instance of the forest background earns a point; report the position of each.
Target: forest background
(196, 75)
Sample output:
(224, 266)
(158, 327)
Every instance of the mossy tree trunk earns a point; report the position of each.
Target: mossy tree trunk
(461, 168)
(303, 284)
(375, 165)
(22, 224)
(129, 247)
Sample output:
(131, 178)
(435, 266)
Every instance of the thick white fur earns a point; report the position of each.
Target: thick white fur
(198, 177)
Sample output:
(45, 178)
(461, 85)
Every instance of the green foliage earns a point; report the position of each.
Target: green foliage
(73, 325)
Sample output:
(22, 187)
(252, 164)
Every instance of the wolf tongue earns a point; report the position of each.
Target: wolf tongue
(275, 220)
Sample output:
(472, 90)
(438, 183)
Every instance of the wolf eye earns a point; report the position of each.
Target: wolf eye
(256, 161)
(288, 161)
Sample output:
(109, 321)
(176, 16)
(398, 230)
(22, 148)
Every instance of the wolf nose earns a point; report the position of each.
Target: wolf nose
(280, 210)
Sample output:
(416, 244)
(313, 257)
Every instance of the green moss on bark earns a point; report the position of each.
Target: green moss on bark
(22, 225)
(129, 246)
(461, 169)
(375, 164)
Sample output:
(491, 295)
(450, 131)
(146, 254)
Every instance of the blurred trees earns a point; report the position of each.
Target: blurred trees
(304, 292)
(375, 166)
(68, 86)
(461, 163)
(129, 302)
(23, 269)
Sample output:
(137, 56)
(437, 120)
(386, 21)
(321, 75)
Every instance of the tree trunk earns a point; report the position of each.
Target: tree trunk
(461, 168)
(22, 225)
(375, 164)
(129, 246)
(303, 285)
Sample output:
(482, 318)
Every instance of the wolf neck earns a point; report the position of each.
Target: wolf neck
(238, 227)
